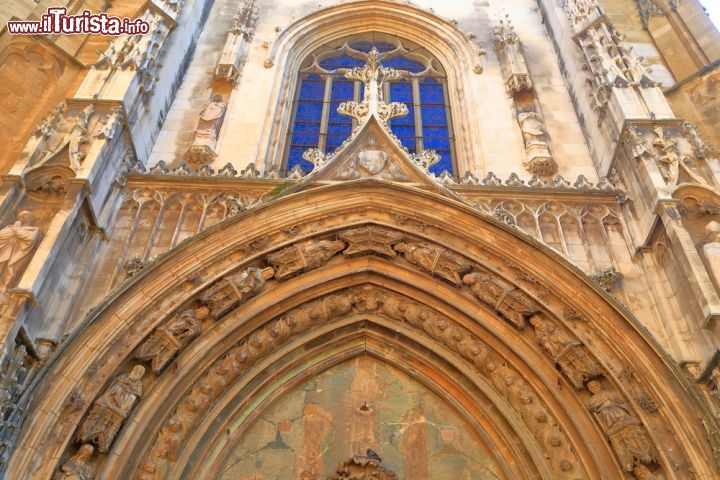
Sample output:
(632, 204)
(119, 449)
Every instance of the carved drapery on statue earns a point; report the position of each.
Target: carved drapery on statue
(511, 303)
(108, 412)
(518, 82)
(233, 289)
(17, 242)
(302, 256)
(204, 145)
(625, 432)
(435, 260)
(77, 468)
(570, 355)
(163, 344)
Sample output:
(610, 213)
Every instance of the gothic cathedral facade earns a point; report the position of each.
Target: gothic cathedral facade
(361, 239)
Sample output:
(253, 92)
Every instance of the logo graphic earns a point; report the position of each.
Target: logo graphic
(56, 21)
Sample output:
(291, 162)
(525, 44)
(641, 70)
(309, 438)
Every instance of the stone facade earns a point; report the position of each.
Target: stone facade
(175, 302)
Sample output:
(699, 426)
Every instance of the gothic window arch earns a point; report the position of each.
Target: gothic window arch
(322, 87)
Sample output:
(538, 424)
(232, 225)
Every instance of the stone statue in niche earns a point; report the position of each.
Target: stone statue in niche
(538, 159)
(205, 143)
(711, 251)
(627, 436)
(108, 412)
(17, 242)
(569, 354)
(163, 344)
(233, 289)
(436, 260)
(303, 256)
(77, 468)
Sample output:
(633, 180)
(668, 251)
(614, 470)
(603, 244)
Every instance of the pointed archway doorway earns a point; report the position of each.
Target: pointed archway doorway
(500, 350)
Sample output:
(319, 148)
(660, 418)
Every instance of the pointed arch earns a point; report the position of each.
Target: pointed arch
(457, 54)
(531, 298)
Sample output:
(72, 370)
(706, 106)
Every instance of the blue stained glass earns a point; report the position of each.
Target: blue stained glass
(434, 115)
(445, 163)
(435, 131)
(307, 128)
(311, 90)
(306, 140)
(341, 61)
(436, 143)
(340, 129)
(342, 90)
(401, 92)
(403, 130)
(367, 46)
(403, 63)
(408, 142)
(334, 141)
(432, 94)
(309, 111)
(295, 158)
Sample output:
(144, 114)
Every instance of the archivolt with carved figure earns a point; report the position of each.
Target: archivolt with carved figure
(178, 367)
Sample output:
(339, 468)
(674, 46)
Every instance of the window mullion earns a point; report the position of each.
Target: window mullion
(418, 115)
(322, 139)
(357, 87)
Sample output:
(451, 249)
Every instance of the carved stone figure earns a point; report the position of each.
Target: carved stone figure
(638, 146)
(370, 239)
(233, 289)
(669, 159)
(569, 354)
(627, 436)
(303, 256)
(76, 468)
(205, 143)
(435, 260)
(108, 412)
(514, 305)
(17, 241)
(163, 344)
(107, 129)
(711, 251)
(607, 278)
(363, 467)
(537, 155)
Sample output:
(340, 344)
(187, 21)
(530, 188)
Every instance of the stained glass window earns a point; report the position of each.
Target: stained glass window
(323, 87)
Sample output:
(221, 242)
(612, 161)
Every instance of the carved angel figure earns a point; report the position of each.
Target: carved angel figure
(569, 354)
(163, 344)
(304, 256)
(435, 260)
(108, 412)
(17, 242)
(234, 289)
(76, 468)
